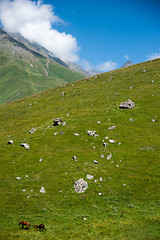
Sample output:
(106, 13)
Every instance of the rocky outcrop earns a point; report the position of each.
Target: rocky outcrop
(127, 64)
(57, 121)
(127, 104)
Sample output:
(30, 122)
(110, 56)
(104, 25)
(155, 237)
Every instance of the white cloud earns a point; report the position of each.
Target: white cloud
(103, 67)
(153, 56)
(86, 65)
(107, 66)
(34, 20)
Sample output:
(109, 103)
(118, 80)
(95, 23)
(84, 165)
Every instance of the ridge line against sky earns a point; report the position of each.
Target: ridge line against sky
(99, 35)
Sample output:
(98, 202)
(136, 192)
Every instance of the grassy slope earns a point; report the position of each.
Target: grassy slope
(61, 209)
(19, 79)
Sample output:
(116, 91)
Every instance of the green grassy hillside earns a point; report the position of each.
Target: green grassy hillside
(19, 78)
(123, 198)
(24, 72)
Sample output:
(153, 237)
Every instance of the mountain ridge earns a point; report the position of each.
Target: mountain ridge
(24, 71)
(127, 64)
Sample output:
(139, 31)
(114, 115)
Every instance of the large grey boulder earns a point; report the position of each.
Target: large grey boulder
(80, 185)
(127, 104)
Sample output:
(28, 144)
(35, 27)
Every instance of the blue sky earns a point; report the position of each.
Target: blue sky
(110, 31)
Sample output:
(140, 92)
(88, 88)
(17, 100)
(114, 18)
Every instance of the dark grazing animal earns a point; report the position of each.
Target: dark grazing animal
(23, 223)
(41, 227)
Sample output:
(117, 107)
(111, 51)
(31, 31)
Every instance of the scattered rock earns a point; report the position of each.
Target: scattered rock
(153, 120)
(109, 156)
(90, 176)
(61, 133)
(147, 148)
(25, 145)
(111, 128)
(96, 135)
(74, 158)
(91, 133)
(127, 104)
(10, 142)
(64, 124)
(95, 162)
(131, 119)
(42, 190)
(80, 185)
(98, 122)
(32, 130)
(112, 141)
(102, 155)
(63, 93)
(57, 121)
(76, 134)
(105, 144)
(18, 178)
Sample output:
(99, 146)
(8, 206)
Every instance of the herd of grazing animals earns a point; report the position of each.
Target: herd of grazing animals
(41, 227)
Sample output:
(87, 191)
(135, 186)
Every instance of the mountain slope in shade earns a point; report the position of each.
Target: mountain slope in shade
(38, 48)
(24, 71)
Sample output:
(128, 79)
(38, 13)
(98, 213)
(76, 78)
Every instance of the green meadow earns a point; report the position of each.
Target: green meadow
(22, 76)
(122, 201)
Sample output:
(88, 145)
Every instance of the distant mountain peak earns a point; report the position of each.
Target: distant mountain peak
(128, 63)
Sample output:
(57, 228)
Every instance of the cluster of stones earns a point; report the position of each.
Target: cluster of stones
(81, 185)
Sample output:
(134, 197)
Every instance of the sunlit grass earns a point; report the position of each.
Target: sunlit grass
(122, 200)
